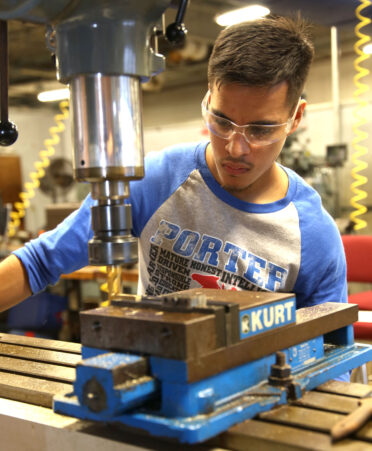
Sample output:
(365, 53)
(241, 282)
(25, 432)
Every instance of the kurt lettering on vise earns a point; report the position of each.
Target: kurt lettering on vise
(266, 317)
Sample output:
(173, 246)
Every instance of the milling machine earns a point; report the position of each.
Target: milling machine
(188, 365)
(103, 50)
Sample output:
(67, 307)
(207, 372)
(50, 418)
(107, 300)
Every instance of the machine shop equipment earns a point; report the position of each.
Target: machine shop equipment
(103, 51)
(206, 359)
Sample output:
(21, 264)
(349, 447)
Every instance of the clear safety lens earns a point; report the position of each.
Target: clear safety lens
(255, 134)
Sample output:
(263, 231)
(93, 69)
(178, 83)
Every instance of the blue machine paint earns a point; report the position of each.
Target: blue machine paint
(194, 412)
(119, 398)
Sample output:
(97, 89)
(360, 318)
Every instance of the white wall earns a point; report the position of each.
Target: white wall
(33, 128)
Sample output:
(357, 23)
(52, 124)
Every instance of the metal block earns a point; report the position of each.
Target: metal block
(243, 298)
(226, 314)
(150, 332)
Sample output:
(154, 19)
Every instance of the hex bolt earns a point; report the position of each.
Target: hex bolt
(280, 374)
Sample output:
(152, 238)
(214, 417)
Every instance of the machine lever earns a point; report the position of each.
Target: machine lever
(176, 31)
(8, 130)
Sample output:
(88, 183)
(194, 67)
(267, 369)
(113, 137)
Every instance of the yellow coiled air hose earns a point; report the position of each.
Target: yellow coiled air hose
(113, 286)
(35, 176)
(359, 120)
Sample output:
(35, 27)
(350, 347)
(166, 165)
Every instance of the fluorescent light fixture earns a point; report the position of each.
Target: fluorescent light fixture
(54, 95)
(235, 16)
(367, 49)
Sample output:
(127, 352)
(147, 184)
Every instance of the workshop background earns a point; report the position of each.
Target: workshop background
(171, 101)
(321, 150)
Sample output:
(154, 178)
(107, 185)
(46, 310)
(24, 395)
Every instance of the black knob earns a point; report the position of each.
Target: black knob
(8, 133)
(176, 33)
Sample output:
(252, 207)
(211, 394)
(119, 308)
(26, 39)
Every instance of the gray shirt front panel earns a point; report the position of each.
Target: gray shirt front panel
(195, 239)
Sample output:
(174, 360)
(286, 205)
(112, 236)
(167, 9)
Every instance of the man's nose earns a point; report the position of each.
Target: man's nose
(238, 145)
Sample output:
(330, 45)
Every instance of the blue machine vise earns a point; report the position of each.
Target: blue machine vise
(191, 365)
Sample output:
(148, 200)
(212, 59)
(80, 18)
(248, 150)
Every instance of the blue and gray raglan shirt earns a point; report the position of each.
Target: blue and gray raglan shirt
(193, 233)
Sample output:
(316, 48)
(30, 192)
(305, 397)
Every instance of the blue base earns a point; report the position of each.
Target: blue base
(233, 408)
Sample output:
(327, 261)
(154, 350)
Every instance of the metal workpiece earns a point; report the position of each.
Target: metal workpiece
(175, 335)
(226, 313)
(107, 127)
(242, 298)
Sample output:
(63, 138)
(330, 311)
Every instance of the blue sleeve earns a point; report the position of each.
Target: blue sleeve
(165, 171)
(59, 251)
(322, 275)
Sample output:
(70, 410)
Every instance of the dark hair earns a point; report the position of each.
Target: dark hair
(264, 52)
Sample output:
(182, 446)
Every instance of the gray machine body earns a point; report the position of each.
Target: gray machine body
(103, 51)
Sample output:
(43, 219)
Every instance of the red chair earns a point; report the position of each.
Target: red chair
(358, 251)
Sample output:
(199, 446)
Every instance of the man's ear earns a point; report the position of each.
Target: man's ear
(299, 115)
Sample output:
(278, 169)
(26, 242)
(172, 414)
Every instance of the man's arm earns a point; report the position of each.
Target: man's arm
(14, 284)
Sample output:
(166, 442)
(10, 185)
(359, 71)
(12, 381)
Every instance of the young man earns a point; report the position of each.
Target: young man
(221, 214)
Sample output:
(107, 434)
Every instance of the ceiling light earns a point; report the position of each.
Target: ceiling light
(54, 95)
(367, 49)
(235, 16)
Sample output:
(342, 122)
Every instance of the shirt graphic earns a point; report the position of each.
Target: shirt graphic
(180, 259)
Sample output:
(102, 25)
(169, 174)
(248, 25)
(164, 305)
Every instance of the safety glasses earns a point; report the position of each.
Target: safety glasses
(254, 134)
